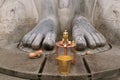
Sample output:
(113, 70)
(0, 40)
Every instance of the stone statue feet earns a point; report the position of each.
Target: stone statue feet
(86, 35)
(43, 35)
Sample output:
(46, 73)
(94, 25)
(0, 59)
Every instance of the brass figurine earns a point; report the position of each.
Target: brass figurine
(65, 37)
(64, 61)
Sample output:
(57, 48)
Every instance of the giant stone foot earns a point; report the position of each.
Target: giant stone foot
(43, 35)
(86, 35)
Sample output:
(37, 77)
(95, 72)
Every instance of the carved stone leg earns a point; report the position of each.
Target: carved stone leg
(44, 34)
(86, 35)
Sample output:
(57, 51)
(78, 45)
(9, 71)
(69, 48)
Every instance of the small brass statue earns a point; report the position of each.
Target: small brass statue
(65, 38)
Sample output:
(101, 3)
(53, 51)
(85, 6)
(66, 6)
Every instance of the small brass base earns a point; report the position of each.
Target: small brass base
(64, 64)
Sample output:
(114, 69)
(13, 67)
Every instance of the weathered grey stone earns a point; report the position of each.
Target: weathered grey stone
(105, 64)
(51, 71)
(114, 78)
(16, 63)
(6, 77)
(86, 35)
(106, 19)
(15, 15)
(44, 34)
(1, 2)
